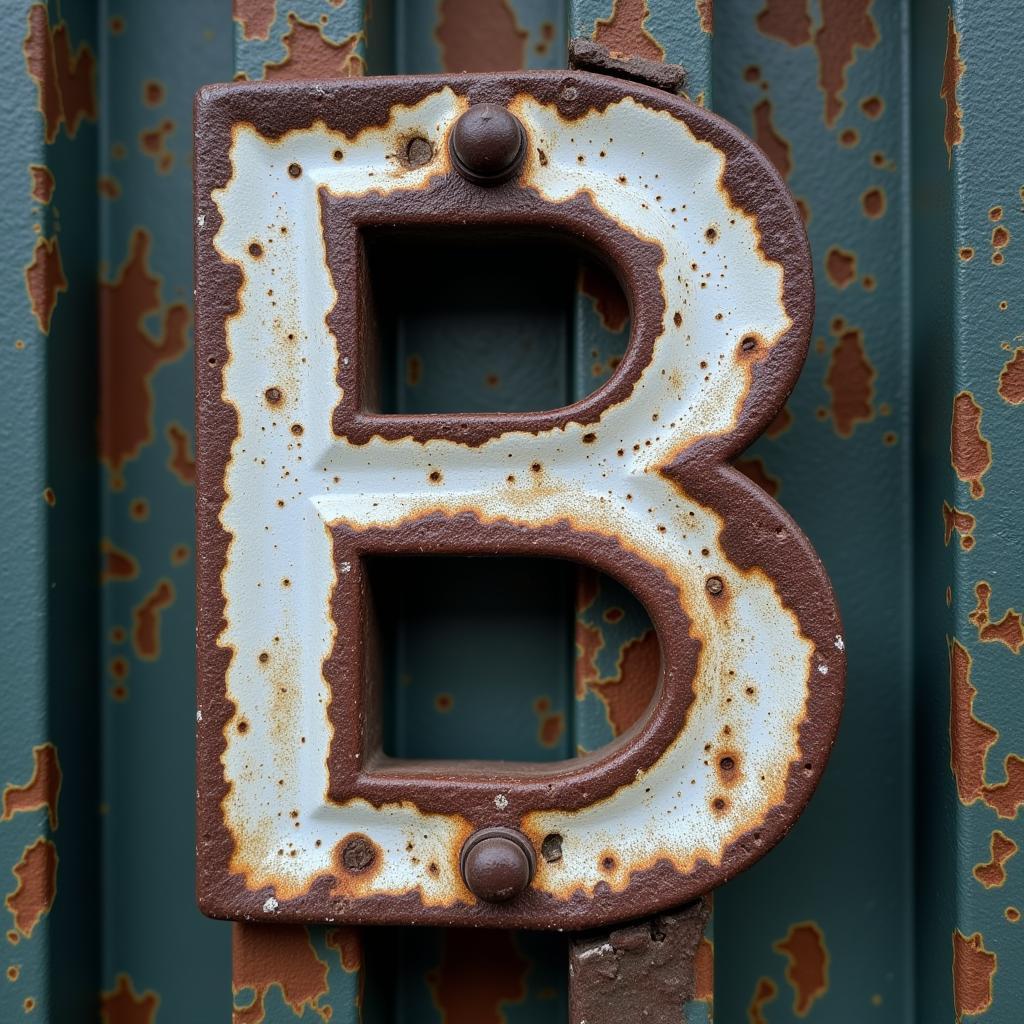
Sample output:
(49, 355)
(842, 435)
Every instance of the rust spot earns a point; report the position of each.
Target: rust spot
(969, 450)
(262, 957)
(118, 566)
(43, 183)
(108, 186)
(294, 170)
(1011, 378)
(1008, 630)
(969, 738)
(963, 522)
(480, 35)
(589, 641)
(480, 971)
(1000, 237)
(358, 853)
(129, 355)
(34, 894)
(952, 71)
(995, 213)
(273, 396)
(807, 970)
(181, 462)
(123, 1005)
(551, 848)
(752, 73)
(41, 790)
(139, 509)
(1012, 914)
(973, 969)
(993, 874)
(782, 422)
(786, 20)
(966, 253)
(600, 284)
(1007, 796)
(704, 972)
(65, 81)
(255, 250)
(873, 107)
(45, 280)
(625, 34)
(50, 496)
(153, 93)
(310, 54)
(849, 137)
(705, 15)
(767, 136)
(146, 620)
(443, 702)
(845, 26)
(754, 470)
(764, 993)
(413, 370)
(627, 694)
(851, 382)
(153, 142)
(349, 946)
(551, 724)
(255, 17)
(873, 203)
(840, 266)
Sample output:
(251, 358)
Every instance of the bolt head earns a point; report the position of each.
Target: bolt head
(487, 144)
(497, 864)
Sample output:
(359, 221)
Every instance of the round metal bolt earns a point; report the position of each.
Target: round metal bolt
(497, 864)
(487, 144)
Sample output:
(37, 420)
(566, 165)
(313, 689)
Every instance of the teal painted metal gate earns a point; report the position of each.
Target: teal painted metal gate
(897, 896)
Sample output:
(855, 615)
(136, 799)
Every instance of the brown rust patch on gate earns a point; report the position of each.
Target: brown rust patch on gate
(255, 17)
(1007, 630)
(969, 449)
(181, 461)
(45, 280)
(993, 874)
(479, 972)
(776, 147)
(807, 969)
(754, 469)
(41, 790)
(789, 21)
(625, 33)
(850, 381)
(43, 183)
(146, 620)
(962, 522)
(969, 737)
(123, 1005)
(953, 69)
(973, 969)
(36, 890)
(1011, 378)
(310, 54)
(480, 35)
(845, 26)
(765, 992)
(840, 266)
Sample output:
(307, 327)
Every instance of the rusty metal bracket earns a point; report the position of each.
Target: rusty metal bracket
(586, 55)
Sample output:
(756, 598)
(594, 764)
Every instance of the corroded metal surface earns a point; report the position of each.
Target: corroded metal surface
(299, 479)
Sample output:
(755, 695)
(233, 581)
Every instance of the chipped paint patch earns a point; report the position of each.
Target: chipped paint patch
(767, 136)
(310, 54)
(953, 69)
(146, 620)
(789, 21)
(123, 1005)
(1011, 378)
(840, 267)
(255, 17)
(36, 890)
(625, 33)
(181, 462)
(973, 970)
(846, 26)
(43, 183)
(1007, 630)
(45, 280)
(598, 283)
(993, 874)
(41, 790)
(969, 737)
(969, 449)
(807, 969)
(153, 143)
(480, 35)
(628, 694)
(766, 991)
(962, 522)
(850, 381)
(118, 566)
(282, 956)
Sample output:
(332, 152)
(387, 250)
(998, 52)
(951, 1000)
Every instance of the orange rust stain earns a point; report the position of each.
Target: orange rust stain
(45, 280)
(41, 790)
(963, 522)
(969, 737)
(766, 135)
(65, 81)
(1011, 379)
(480, 35)
(624, 33)
(627, 695)
(952, 71)
(146, 620)
(704, 972)
(807, 970)
(118, 566)
(479, 971)
(349, 946)
(181, 463)
(782, 422)
(873, 203)
(1007, 796)
(34, 894)
(873, 107)
(765, 993)
(851, 382)
(840, 266)
(551, 724)
(845, 26)
(43, 183)
(789, 21)
(108, 186)
(993, 874)
(282, 955)
(973, 969)
(129, 355)
(599, 283)
(589, 641)
(255, 17)
(310, 54)
(1007, 630)
(706, 15)
(754, 470)
(123, 1005)
(153, 142)
(969, 450)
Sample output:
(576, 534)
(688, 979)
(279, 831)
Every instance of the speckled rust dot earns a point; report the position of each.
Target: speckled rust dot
(294, 170)
(589, 438)
(418, 151)
(727, 764)
(296, 429)
(714, 585)
(264, 657)
(711, 236)
(243, 726)
(358, 854)
(677, 319)
(749, 343)
(337, 154)
(255, 250)
(434, 476)
(273, 395)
